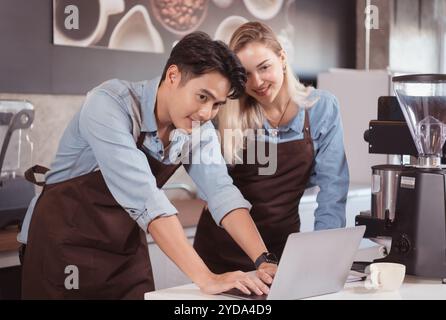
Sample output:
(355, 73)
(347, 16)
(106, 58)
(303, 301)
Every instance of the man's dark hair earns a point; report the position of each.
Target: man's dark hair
(197, 54)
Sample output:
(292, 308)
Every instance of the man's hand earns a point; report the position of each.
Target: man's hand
(245, 282)
(266, 272)
(169, 235)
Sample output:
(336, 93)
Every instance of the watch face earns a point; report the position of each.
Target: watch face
(271, 257)
(266, 257)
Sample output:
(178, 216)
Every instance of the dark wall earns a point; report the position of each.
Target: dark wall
(30, 63)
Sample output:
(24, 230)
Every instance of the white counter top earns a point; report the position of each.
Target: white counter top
(413, 288)
(354, 190)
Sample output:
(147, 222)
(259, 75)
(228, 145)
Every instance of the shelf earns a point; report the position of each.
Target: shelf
(8, 239)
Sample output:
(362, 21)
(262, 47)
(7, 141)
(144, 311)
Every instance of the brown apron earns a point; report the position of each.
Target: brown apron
(275, 206)
(78, 223)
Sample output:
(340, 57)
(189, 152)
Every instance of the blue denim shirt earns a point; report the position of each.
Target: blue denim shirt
(330, 172)
(100, 137)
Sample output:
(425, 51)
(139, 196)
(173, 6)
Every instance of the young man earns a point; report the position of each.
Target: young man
(102, 193)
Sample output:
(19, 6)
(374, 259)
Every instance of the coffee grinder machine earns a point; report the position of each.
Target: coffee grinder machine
(409, 201)
(16, 117)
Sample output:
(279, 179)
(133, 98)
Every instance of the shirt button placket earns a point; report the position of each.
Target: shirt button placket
(274, 133)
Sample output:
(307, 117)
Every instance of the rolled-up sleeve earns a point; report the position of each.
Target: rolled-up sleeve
(330, 166)
(106, 125)
(211, 177)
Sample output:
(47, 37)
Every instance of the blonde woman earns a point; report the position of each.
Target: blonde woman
(305, 125)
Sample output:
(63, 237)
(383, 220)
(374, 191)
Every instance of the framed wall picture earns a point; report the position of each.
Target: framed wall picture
(65, 47)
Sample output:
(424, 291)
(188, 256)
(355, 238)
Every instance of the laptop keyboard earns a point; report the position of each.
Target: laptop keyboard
(240, 294)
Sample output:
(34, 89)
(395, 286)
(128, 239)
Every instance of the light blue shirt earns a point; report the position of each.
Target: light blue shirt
(100, 137)
(330, 171)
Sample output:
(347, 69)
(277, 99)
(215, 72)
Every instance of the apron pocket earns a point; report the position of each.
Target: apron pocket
(107, 228)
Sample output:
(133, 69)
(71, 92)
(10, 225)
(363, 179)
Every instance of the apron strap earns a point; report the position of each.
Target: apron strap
(140, 140)
(30, 174)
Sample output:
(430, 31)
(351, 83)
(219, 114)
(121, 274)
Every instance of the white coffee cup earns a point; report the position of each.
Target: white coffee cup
(263, 9)
(227, 27)
(135, 32)
(106, 8)
(386, 276)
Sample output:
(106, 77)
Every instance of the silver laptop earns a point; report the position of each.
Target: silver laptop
(312, 264)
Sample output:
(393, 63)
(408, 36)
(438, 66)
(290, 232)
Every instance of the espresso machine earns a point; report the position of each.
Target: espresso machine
(16, 117)
(409, 200)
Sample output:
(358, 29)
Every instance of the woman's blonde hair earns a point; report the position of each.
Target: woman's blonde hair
(245, 113)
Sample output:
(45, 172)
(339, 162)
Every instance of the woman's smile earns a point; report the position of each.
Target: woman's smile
(262, 91)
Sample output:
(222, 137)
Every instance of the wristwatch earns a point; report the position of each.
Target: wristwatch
(266, 257)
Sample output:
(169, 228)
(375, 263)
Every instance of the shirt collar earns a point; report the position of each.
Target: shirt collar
(150, 89)
(296, 124)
